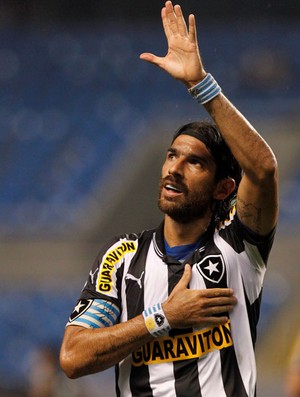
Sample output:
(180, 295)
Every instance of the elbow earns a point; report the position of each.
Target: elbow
(271, 169)
(67, 363)
(75, 366)
(268, 171)
(272, 165)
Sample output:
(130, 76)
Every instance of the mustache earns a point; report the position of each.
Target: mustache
(175, 182)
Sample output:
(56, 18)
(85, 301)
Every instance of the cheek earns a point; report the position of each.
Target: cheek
(204, 185)
(164, 170)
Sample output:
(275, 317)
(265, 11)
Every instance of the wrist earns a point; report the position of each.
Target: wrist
(192, 83)
(156, 321)
(205, 90)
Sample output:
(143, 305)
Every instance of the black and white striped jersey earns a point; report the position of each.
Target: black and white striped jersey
(132, 272)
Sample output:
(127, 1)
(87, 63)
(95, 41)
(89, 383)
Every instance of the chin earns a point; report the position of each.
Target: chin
(179, 215)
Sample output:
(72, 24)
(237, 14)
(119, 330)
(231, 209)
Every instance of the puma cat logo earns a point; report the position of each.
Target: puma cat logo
(138, 280)
(92, 275)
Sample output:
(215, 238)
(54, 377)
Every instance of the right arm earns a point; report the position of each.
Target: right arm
(87, 350)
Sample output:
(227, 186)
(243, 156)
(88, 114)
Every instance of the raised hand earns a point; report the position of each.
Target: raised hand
(186, 307)
(183, 61)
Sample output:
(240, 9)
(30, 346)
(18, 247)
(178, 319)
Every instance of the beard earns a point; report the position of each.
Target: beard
(191, 205)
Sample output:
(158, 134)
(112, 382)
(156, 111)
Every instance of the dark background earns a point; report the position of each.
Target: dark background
(38, 11)
(82, 125)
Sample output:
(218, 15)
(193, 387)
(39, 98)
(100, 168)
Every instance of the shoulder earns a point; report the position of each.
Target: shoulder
(237, 235)
(126, 242)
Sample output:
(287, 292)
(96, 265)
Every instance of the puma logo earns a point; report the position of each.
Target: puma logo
(92, 275)
(138, 280)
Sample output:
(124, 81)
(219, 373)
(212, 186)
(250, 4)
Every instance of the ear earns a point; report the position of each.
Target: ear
(224, 188)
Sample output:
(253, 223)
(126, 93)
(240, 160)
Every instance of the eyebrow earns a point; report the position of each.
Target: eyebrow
(204, 158)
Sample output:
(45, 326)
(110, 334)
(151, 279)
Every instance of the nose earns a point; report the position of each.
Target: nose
(176, 168)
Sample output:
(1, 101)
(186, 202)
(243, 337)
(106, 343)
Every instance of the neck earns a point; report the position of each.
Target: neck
(184, 233)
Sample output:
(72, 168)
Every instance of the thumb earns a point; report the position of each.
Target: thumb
(185, 279)
(146, 56)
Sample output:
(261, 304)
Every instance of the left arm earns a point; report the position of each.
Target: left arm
(257, 198)
(257, 203)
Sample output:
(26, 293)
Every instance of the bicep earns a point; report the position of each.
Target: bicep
(257, 204)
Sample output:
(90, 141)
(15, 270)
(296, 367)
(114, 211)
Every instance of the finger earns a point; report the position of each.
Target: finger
(222, 300)
(185, 279)
(180, 21)
(192, 29)
(171, 18)
(216, 320)
(217, 292)
(146, 56)
(217, 310)
(165, 23)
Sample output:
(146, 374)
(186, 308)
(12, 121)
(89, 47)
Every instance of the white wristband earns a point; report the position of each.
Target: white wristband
(206, 90)
(156, 321)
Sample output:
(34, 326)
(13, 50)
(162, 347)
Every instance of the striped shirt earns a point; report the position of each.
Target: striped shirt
(132, 272)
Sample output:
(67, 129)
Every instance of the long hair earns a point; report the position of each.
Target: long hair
(227, 166)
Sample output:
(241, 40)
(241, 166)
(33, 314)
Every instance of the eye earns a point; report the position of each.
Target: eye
(171, 155)
(195, 161)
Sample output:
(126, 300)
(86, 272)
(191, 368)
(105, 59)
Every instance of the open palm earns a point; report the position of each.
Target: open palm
(183, 61)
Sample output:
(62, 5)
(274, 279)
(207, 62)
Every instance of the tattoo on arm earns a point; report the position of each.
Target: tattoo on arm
(250, 215)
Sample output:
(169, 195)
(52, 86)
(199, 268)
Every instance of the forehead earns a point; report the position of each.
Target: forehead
(188, 145)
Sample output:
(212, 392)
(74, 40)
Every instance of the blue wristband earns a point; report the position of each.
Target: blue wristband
(206, 90)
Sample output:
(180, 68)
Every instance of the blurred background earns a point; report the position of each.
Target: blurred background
(84, 125)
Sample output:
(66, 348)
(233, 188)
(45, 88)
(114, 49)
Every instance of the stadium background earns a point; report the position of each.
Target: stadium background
(83, 127)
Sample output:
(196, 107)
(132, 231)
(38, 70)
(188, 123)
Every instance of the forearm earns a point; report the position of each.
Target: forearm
(250, 150)
(86, 351)
(89, 350)
(257, 198)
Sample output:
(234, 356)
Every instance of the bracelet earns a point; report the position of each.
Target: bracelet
(206, 90)
(156, 321)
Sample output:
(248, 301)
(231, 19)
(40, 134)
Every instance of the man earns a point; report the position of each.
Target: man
(292, 379)
(176, 308)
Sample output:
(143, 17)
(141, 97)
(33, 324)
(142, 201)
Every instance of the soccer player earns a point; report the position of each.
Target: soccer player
(292, 380)
(175, 309)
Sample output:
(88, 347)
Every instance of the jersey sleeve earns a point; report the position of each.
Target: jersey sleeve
(94, 313)
(100, 301)
(262, 243)
(234, 231)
